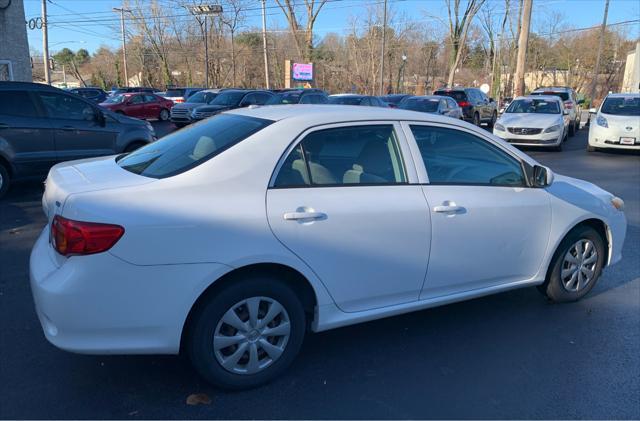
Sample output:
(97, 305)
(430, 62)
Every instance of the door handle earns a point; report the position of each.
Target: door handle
(448, 207)
(296, 216)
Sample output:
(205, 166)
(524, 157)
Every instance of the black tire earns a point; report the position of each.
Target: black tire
(5, 181)
(494, 118)
(572, 129)
(164, 115)
(553, 286)
(591, 148)
(558, 148)
(133, 146)
(205, 320)
(180, 125)
(476, 119)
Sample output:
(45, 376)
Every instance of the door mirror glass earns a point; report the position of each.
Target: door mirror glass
(542, 176)
(592, 111)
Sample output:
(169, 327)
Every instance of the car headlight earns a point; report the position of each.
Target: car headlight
(617, 203)
(554, 128)
(601, 121)
(498, 127)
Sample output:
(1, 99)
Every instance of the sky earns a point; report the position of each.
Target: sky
(89, 24)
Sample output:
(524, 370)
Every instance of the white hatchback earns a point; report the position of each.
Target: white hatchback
(233, 237)
(616, 123)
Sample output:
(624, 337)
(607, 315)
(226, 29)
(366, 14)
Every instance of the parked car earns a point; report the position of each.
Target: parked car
(41, 125)
(299, 96)
(571, 103)
(231, 99)
(534, 121)
(140, 105)
(355, 99)
(181, 113)
(433, 104)
(178, 95)
(616, 124)
(394, 100)
(96, 95)
(227, 240)
(126, 90)
(476, 106)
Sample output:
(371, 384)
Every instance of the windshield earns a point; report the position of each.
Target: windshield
(459, 96)
(284, 98)
(425, 105)
(116, 99)
(563, 95)
(534, 106)
(175, 92)
(187, 148)
(201, 97)
(345, 100)
(228, 98)
(622, 106)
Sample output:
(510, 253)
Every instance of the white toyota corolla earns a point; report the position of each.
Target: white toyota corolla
(616, 123)
(231, 238)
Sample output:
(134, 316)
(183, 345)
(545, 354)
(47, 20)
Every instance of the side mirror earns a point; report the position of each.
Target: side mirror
(593, 111)
(542, 176)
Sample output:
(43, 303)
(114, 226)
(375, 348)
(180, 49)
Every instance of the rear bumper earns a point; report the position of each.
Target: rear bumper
(100, 304)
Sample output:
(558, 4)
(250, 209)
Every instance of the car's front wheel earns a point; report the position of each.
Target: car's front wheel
(576, 265)
(494, 118)
(572, 128)
(246, 333)
(4, 180)
(164, 115)
(476, 119)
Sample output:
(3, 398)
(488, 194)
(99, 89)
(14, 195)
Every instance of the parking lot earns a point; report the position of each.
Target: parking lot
(512, 355)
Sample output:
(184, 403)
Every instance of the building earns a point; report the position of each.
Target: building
(631, 78)
(15, 63)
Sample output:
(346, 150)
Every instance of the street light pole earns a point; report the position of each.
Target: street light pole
(206, 51)
(206, 10)
(264, 45)
(45, 43)
(384, 30)
(124, 43)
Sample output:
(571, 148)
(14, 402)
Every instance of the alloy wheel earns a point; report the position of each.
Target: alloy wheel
(251, 335)
(579, 265)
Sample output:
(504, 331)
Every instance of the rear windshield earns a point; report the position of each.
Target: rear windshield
(228, 98)
(201, 97)
(425, 105)
(284, 98)
(563, 95)
(457, 95)
(622, 106)
(345, 100)
(175, 92)
(534, 106)
(187, 148)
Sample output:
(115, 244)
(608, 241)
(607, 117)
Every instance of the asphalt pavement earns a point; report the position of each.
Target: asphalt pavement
(512, 355)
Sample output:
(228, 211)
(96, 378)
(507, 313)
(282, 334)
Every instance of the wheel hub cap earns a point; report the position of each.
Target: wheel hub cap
(579, 265)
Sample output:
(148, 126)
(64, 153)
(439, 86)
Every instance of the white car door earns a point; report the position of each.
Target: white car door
(488, 226)
(346, 203)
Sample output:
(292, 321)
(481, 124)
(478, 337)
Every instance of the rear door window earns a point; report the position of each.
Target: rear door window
(17, 104)
(66, 107)
(188, 148)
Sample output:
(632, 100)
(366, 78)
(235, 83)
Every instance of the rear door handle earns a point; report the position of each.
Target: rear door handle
(448, 207)
(297, 216)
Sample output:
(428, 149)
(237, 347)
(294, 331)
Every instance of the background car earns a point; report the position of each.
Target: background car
(616, 124)
(299, 96)
(181, 113)
(571, 103)
(131, 89)
(433, 104)
(41, 125)
(178, 95)
(140, 105)
(235, 237)
(476, 106)
(534, 121)
(231, 99)
(355, 99)
(394, 100)
(96, 95)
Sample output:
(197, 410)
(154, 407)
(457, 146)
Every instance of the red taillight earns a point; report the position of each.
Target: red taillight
(178, 100)
(77, 238)
(464, 103)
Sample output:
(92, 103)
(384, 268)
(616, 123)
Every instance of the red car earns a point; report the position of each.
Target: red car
(140, 105)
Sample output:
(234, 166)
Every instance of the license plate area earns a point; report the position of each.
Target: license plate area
(627, 140)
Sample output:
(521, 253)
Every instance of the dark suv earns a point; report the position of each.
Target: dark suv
(299, 96)
(96, 95)
(230, 99)
(476, 106)
(41, 125)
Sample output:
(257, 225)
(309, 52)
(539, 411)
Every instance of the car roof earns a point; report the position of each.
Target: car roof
(545, 97)
(345, 95)
(624, 95)
(430, 97)
(553, 88)
(27, 85)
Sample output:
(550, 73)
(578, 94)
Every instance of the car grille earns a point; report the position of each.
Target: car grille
(524, 130)
(179, 112)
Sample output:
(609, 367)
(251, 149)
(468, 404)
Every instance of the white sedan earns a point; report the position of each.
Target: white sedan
(534, 121)
(616, 123)
(233, 237)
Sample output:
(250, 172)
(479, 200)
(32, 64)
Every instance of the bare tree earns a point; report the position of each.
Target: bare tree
(303, 37)
(458, 30)
(232, 20)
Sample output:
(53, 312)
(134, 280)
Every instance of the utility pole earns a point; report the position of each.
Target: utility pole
(384, 36)
(596, 70)
(124, 42)
(264, 45)
(206, 51)
(523, 40)
(45, 43)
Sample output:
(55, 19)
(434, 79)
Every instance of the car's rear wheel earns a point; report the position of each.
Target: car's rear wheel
(572, 128)
(591, 148)
(494, 118)
(476, 119)
(4, 180)
(576, 265)
(164, 115)
(247, 333)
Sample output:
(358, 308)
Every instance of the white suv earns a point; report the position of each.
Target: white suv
(616, 123)
(571, 103)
